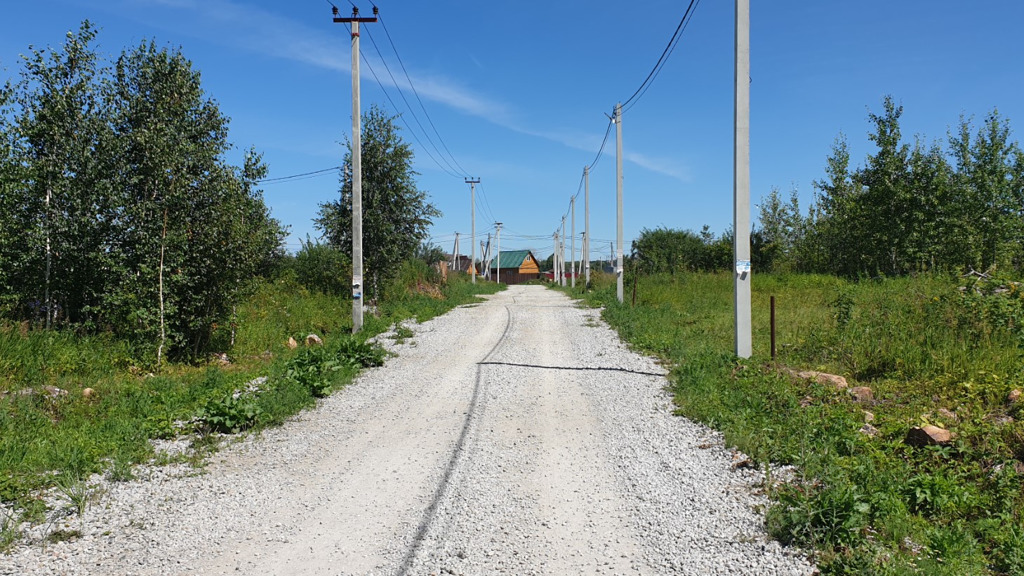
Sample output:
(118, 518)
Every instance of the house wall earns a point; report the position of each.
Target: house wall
(529, 266)
(514, 276)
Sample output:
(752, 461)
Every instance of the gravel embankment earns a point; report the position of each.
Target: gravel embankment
(518, 436)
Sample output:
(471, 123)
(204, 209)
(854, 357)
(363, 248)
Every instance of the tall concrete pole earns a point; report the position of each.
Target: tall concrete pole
(618, 197)
(497, 278)
(554, 258)
(358, 285)
(455, 254)
(561, 250)
(572, 242)
(472, 212)
(741, 179)
(586, 223)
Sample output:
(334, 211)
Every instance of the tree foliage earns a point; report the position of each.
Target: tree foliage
(916, 207)
(120, 211)
(396, 214)
(908, 208)
(664, 250)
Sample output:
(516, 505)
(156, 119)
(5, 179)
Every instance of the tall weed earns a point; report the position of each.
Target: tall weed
(867, 503)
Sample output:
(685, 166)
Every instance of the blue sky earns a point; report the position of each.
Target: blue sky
(519, 92)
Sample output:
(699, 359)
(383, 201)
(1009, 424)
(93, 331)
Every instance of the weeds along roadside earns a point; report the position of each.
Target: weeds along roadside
(73, 406)
(933, 350)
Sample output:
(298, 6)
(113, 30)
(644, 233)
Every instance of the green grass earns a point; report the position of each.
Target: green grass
(866, 505)
(59, 439)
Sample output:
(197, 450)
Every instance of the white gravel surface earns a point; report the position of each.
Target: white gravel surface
(517, 437)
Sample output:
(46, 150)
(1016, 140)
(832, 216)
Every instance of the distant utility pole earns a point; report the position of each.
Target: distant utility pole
(741, 180)
(357, 171)
(472, 211)
(498, 260)
(572, 242)
(455, 254)
(487, 256)
(584, 250)
(554, 258)
(586, 223)
(618, 199)
(561, 251)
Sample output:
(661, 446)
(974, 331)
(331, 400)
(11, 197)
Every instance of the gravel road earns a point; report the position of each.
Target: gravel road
(518, 436)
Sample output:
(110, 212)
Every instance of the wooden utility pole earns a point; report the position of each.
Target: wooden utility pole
(618, 197)
(357, 171)
(741, 183)
(472, 212)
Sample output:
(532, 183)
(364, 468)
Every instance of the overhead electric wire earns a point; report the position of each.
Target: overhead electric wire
(415, 117)
(302, 176)
(607, 132)
(417, 94)
(486, 203)
(669, 48)
(406, 124)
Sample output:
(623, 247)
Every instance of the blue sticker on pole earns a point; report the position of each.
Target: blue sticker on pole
(742, 266)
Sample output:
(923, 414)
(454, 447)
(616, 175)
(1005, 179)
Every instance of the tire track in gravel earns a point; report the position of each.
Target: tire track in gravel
(475, 408)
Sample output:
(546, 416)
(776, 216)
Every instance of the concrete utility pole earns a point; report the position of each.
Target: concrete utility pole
(741, 180)
(498, 242)
(586, 224)
(561, 250)
(455, 254)
(357, 171)
(618, 199)
(472, 211)
(572, 252)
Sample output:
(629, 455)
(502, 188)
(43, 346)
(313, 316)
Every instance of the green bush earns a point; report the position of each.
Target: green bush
(323, 268)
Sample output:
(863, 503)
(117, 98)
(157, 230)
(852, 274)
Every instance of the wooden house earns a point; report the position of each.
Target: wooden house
(517, 266)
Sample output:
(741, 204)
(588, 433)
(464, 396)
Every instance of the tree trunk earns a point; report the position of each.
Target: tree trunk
(160, 291)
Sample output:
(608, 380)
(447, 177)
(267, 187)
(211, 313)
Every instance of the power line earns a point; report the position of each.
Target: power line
(402, 120)
(409, 106)
(302, 176)
(416, 93)
(664, 56)
(487, 204)
(607, 131)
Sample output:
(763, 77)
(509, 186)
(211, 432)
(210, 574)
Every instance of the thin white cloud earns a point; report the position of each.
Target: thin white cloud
(258, 30)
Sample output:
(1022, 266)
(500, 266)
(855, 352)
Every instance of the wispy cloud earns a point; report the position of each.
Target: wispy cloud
(257, 30)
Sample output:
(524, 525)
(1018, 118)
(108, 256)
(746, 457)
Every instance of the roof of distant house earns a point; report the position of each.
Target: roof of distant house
(511, 258)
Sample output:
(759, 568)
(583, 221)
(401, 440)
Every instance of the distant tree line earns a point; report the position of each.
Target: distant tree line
(118, 210)
(909, 208)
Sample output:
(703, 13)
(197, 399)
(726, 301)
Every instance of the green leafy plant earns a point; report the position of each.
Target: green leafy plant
(231, 413)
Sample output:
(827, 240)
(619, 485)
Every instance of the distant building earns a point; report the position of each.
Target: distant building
(461, 264)
(517, 266)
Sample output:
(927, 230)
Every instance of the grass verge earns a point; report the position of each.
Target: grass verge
(72, 406)
(933, 350)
